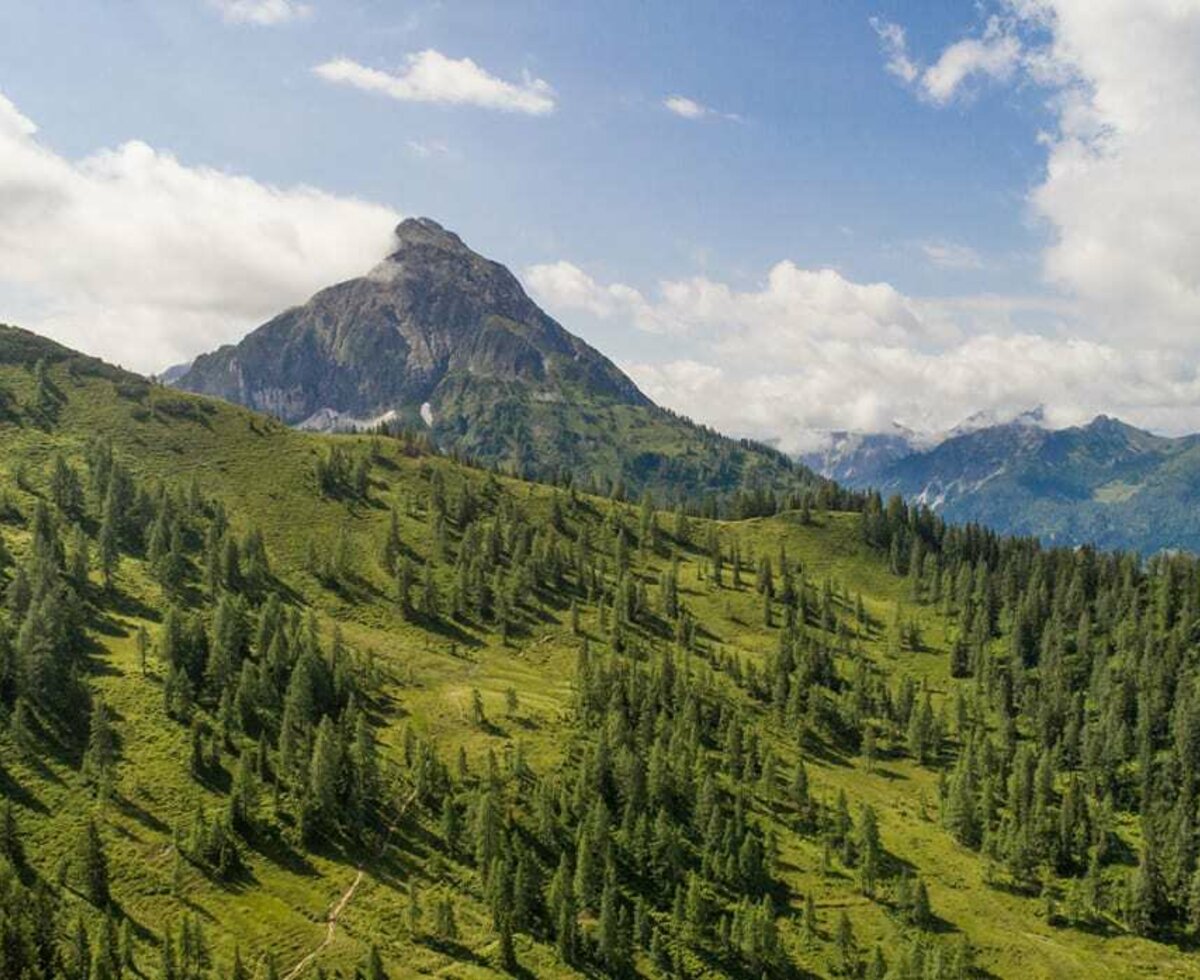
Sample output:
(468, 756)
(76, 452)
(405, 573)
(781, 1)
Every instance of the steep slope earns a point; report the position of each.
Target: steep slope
(439, 337)
(1106, 483)
(606, 742)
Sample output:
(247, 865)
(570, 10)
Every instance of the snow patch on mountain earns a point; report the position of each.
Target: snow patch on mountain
(330, 420)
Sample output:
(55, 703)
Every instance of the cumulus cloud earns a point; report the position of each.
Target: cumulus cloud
(1121, 190)
(132, 254)
(807, 350)
(262, 12)
(793, 303)
(564, 286)
(430, 76)
(846, 386)
(810, 350)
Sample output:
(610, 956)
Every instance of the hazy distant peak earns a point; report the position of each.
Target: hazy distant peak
(989, 419)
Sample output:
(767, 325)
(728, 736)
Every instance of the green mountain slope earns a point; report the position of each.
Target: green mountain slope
(344, 705)
(1105, 483)
(439, 338)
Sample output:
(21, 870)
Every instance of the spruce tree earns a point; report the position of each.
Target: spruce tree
(373, 967)
(324, 775)
(91, 865)
(846, 950)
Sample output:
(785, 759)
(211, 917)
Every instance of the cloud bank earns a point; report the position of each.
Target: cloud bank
(1121, 189)
(809, 350)
(135, 255)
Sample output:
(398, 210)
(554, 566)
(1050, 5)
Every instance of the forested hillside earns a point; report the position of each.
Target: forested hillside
(277, 704)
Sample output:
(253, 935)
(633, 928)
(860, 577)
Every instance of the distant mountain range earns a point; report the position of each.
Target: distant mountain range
(439, 338)
(1105, 483)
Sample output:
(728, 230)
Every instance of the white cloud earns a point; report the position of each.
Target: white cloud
(895, 47)
(809, 350)
(840, 385)
(567, 286)
(1122, 189)
(681, 105)
(793, 304)
(1120, 193)
(951, 255)
(564, 286)
(428, 149)
(995, 55)
(429, 76)
(687, 108)
(133, 255)
(261, 12)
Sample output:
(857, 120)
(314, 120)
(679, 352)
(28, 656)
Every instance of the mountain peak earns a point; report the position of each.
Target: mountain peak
(434, 323)
(427, 233)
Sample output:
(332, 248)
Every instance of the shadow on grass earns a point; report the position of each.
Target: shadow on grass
(10, 789)
(448, 629)
(455, 950)
(135, 811)
(123, 604)
(824, 753)
(273, 847)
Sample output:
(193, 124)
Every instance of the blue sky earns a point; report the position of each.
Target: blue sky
(831, 163)
(814, 153)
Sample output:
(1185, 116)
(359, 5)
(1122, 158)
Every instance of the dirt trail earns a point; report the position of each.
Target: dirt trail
(340, 905)
(329, 929)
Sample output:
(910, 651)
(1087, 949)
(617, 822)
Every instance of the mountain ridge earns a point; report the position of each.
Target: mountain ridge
(441, 339)
(1104, 482)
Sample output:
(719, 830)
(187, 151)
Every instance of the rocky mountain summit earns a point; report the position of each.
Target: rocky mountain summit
(438, 338)
(432, 314)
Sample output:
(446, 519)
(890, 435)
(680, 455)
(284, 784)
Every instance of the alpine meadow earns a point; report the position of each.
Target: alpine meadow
(784, 565)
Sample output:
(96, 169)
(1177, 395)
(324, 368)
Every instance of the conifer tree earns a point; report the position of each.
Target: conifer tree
(846, 950)
(324, 774)
(373, 967)
(91, 865)
(100, 757)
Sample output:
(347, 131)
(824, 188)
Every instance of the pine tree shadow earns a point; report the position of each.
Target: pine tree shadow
(823, 753)
(448, 629)
(271, 845)
(455, 950)
(135, 811)
(10, 789)
(123, 603)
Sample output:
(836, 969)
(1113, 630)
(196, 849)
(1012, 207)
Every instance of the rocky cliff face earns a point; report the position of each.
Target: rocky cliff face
(439, 338)
(432, 311)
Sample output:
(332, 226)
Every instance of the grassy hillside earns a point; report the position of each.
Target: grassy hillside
(572, 679)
